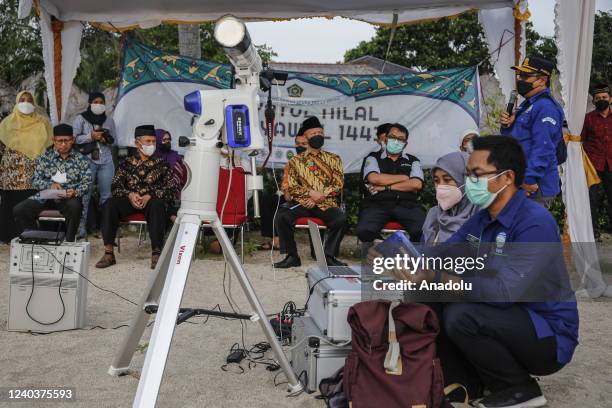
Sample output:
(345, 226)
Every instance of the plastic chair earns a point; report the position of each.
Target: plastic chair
(391, 227)
(235, 212)
(302, 222)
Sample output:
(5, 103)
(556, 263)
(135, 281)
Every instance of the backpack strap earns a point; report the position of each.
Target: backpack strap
(452, 387)
(393, 359)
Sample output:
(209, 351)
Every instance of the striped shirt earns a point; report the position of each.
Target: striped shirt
(319, 171)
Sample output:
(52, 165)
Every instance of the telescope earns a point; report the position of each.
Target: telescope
(224, 119)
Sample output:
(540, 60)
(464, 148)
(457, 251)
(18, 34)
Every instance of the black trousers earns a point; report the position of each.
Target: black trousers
(333, 218)
(26, 214)
(596, 199)
(372, 219)
(8, 200)
(486, 346)
(117, 208)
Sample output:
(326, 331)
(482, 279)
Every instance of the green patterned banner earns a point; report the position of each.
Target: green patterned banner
(456, 85)
(143, 64)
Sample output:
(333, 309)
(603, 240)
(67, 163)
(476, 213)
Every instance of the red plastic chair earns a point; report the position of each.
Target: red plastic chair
(392, 227)
(389, 228)
(302, 222)
(134, 219)
(235, 211)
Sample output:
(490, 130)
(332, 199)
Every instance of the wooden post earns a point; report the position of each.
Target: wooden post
(57, 27)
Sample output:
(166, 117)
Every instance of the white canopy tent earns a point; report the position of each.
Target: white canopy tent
(500, 19)
(61, 38)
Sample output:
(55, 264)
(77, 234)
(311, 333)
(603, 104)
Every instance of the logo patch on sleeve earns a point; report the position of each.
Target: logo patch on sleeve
(549, 119)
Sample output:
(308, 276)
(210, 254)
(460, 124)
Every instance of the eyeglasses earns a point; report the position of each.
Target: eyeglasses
(62, 141)
(396, 137)
(474, 177)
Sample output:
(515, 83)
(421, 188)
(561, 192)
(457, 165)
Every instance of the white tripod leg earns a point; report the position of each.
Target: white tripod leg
(167, 312)
(231, 256)
(121, 362)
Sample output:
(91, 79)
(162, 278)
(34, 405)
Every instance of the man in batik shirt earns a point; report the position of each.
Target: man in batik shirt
(62, 177)
(142, 184)
(315, 179)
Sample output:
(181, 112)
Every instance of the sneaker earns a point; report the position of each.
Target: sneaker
(108, 259)
(527, 395)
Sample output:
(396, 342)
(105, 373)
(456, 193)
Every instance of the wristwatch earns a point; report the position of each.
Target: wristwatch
(387, 188)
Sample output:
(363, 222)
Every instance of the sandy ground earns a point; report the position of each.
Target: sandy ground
(193, 377)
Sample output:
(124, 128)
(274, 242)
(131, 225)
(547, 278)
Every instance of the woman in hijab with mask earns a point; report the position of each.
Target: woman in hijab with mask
(25, 134)
(175, 163)
(95, 133)
(453, 207)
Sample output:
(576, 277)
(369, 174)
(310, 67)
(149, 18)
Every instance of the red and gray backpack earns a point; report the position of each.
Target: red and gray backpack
(393, 361)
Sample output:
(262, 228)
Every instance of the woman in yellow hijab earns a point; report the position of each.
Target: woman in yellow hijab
(24, 135)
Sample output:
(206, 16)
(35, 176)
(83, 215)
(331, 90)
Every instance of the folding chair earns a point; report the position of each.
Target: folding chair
(235, 212)
(53, 216)
(134, 219)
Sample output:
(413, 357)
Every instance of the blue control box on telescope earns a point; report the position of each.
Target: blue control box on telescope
(238, 126)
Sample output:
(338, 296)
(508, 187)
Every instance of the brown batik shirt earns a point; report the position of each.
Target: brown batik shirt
(16, 169)
(319, 171)
(151, 176)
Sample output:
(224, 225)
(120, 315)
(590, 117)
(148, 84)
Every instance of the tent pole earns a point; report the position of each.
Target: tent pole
(57, 26)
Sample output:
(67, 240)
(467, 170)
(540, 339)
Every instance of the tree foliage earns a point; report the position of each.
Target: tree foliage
(20, 45)
(459, 41)
(100, 64)
(601, 68)
(439, 44)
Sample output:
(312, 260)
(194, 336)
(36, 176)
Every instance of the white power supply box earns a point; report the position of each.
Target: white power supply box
(46, 291)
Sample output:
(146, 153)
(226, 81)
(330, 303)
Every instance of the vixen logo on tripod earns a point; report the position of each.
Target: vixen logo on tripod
(180, 254)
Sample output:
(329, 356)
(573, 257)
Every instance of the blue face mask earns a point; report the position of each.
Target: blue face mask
(395, 146)
(478, 192)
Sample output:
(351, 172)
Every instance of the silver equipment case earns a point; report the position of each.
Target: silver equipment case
(330, 301)
(48, 265)
(314, 356)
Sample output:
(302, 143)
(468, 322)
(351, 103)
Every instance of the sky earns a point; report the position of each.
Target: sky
(323, 40)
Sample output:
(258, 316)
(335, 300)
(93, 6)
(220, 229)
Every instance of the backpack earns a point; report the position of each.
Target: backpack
(332, 392)
(393, 360)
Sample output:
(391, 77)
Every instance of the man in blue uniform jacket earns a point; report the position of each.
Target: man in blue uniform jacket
(538, 126)
(520, 317)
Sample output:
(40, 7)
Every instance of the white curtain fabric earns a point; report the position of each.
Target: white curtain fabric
(71, 58)
(574, 23)
(123, 13)
(46, 34)
(498, 27)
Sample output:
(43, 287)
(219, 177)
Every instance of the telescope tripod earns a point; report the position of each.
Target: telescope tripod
(165, 289)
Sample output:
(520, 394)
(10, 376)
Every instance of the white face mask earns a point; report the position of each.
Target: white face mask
(59, 178)
(25, 107)
(98, 108)
(147, 150)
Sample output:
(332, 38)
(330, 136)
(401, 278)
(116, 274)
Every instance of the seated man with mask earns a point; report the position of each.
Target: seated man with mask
(315, 179)
(142, 184)
(60, 172)
(393, 180)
